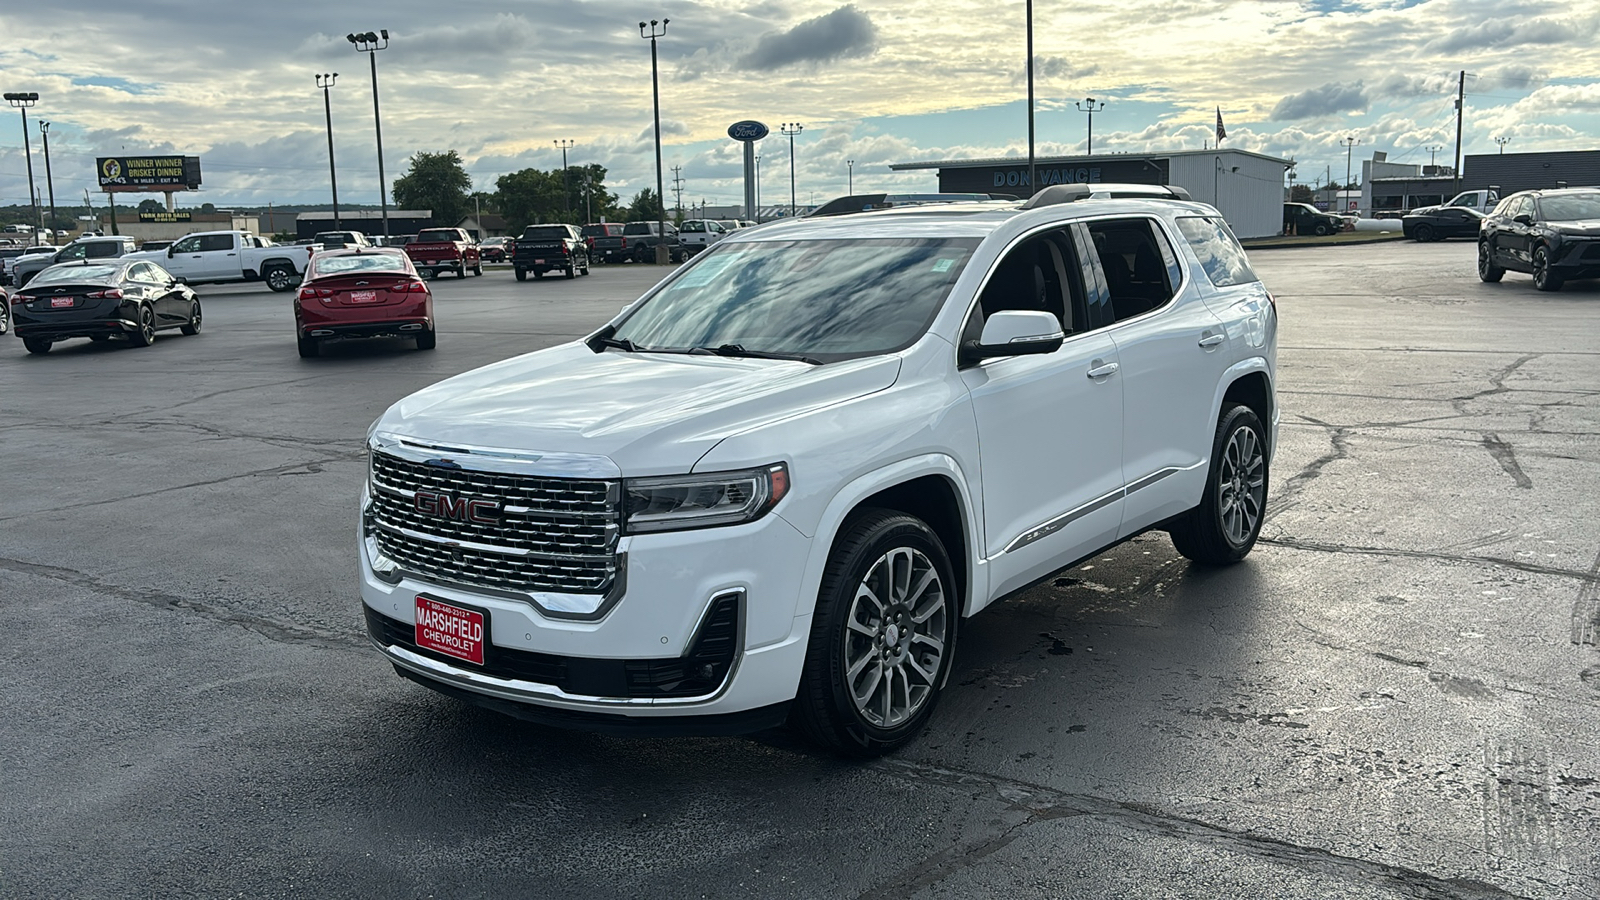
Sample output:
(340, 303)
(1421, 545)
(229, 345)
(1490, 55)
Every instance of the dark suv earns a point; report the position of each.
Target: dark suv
(1554, 235)
(1303, 218)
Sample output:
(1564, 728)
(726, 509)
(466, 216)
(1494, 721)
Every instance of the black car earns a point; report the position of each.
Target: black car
(545, 248)
(1441, 222)
(1554, 235)
(99, 299)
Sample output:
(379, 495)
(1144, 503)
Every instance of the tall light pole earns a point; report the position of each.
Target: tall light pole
(566, 190)
(22, 102)
(1502, 141)
(369, 44)
(791, 129)
(1349, 144)
(850, 166)
(1088, 105)
(655, 90)
(1031, 172)
(755, 213)
(49, 182)
(1432, 151)
(325, 81)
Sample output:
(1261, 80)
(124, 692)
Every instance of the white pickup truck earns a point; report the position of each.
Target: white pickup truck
(224, 256)
(697, 234)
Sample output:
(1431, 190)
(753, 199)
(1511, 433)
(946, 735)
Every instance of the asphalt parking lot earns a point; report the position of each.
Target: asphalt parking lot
(1396, 695)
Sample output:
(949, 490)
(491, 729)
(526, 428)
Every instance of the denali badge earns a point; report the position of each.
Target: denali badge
(456, 509)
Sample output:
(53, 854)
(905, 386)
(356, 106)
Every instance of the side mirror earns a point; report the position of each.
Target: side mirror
(1523, 219)
(170, 250)
(179, 279)
(1015, 333)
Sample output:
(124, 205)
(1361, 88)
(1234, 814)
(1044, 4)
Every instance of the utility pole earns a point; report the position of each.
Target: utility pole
(49, 182)
(1031, 170)
(1461, 103)
(677, 186)
(566, 190)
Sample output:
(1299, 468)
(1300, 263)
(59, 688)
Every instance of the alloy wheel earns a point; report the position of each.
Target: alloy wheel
(1241, 485)
(894, 645)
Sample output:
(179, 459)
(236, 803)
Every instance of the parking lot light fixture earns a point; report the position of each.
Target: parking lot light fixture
(1502, 141)
(566, 190)
(49, 182)
(370, 43)
(1088, 105)
(325, 82)
(791, 129)
(1349, 144)
(1432, 151)
(850, 173)
(22, 102)
(650, 32)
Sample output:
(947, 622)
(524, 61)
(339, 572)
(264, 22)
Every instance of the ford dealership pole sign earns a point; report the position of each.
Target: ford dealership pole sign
(748, 132)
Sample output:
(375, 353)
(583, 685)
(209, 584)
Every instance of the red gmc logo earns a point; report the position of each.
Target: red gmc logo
(456, 509)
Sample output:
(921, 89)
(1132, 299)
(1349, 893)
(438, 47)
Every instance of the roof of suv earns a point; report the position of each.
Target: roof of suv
(976, 219)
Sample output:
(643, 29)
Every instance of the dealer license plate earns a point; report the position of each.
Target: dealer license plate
(60, 302)
(451, 630)
(363, 296)
(538, 262)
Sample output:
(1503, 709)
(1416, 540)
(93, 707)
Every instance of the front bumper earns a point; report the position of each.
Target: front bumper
(636, 667)
(1577, 258)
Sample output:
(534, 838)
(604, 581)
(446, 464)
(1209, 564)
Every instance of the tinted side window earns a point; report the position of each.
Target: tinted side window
(1042, 274)
(189, 244)
(1217, 249)
(1135, 268)
(214, 242)
(102, 250)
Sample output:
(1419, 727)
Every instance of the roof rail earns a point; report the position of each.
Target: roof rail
(855, 203)
(1071, 193)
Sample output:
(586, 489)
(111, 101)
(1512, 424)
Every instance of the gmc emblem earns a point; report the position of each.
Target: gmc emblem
(456, 509)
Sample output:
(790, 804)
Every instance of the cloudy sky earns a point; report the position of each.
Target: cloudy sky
(876, 81)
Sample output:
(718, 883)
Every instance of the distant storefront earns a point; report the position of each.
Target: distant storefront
(1246, 187)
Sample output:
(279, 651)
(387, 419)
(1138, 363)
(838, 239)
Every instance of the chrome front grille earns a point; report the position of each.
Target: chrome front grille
(544, 534)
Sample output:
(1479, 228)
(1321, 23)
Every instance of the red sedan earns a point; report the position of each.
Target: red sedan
(362, 292)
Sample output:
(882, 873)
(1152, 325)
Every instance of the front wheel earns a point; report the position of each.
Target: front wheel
(193, 328)
(1321, 229)
(522, 274)
(1223, 528)
(37, 346)
(1488, 272)
(1543, 278)
(1423, 234)
(882, 637)
(280, 278)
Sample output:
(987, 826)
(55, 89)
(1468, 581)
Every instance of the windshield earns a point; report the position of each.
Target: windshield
(826, 299)
(1570, 208)
(365, 262)
(443, 236)
(73, 274)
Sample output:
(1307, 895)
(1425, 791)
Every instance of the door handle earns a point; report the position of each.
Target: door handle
(1102, 369)
(1211, 341)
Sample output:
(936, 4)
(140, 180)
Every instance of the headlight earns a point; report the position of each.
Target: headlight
(703, 501)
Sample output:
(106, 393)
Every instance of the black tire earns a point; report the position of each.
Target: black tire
(1488, 272)
(1208, 534)
(5, 313)
(1321, 229)
(193, 328)
(825, 709)
(640, 257)
(146, 334)
(477, 270)
(587, 265)
(37, 346)
(1424, 234)
(427, 340)
(280, 278)
(522, 274)
(572, 270)
(1543, 278)
(461, 270)
(308, 347)
(538, 274)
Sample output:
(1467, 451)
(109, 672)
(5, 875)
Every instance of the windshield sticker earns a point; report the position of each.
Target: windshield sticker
(943, 264)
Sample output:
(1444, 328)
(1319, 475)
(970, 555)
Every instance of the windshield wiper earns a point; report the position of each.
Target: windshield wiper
(603, 339)
(738, 351)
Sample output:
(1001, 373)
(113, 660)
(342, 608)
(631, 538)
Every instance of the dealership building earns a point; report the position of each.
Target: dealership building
(1389, 188)
(1247, 188)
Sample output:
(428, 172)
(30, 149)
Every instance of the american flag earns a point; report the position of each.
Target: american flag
(1221, 132)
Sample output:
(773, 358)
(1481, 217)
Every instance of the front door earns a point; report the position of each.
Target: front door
(1049, 426)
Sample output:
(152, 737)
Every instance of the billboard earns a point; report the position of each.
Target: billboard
(182, 215)
(148, 174)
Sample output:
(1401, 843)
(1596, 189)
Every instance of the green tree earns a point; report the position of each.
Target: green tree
(644, 207)
(436, 181)
(527, 196)
(1300, 193)
(151, 206)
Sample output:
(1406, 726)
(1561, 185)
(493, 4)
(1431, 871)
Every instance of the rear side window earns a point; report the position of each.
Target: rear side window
(1133, 257)
(102, 250)
(637, 228)
(1217, 249)
(212, 242)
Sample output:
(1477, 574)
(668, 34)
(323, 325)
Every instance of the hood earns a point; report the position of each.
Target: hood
(649, 413)
(1578, 227)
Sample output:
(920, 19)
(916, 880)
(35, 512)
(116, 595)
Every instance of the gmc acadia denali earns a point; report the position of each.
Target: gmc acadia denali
(772, 488)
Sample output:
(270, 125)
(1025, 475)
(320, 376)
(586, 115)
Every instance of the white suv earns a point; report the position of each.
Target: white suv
(772, 487)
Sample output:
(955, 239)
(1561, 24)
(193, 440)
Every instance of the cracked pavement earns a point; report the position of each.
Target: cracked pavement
(1396, 695)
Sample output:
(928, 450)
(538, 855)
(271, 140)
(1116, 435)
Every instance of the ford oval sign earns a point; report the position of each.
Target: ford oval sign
(748, 130)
